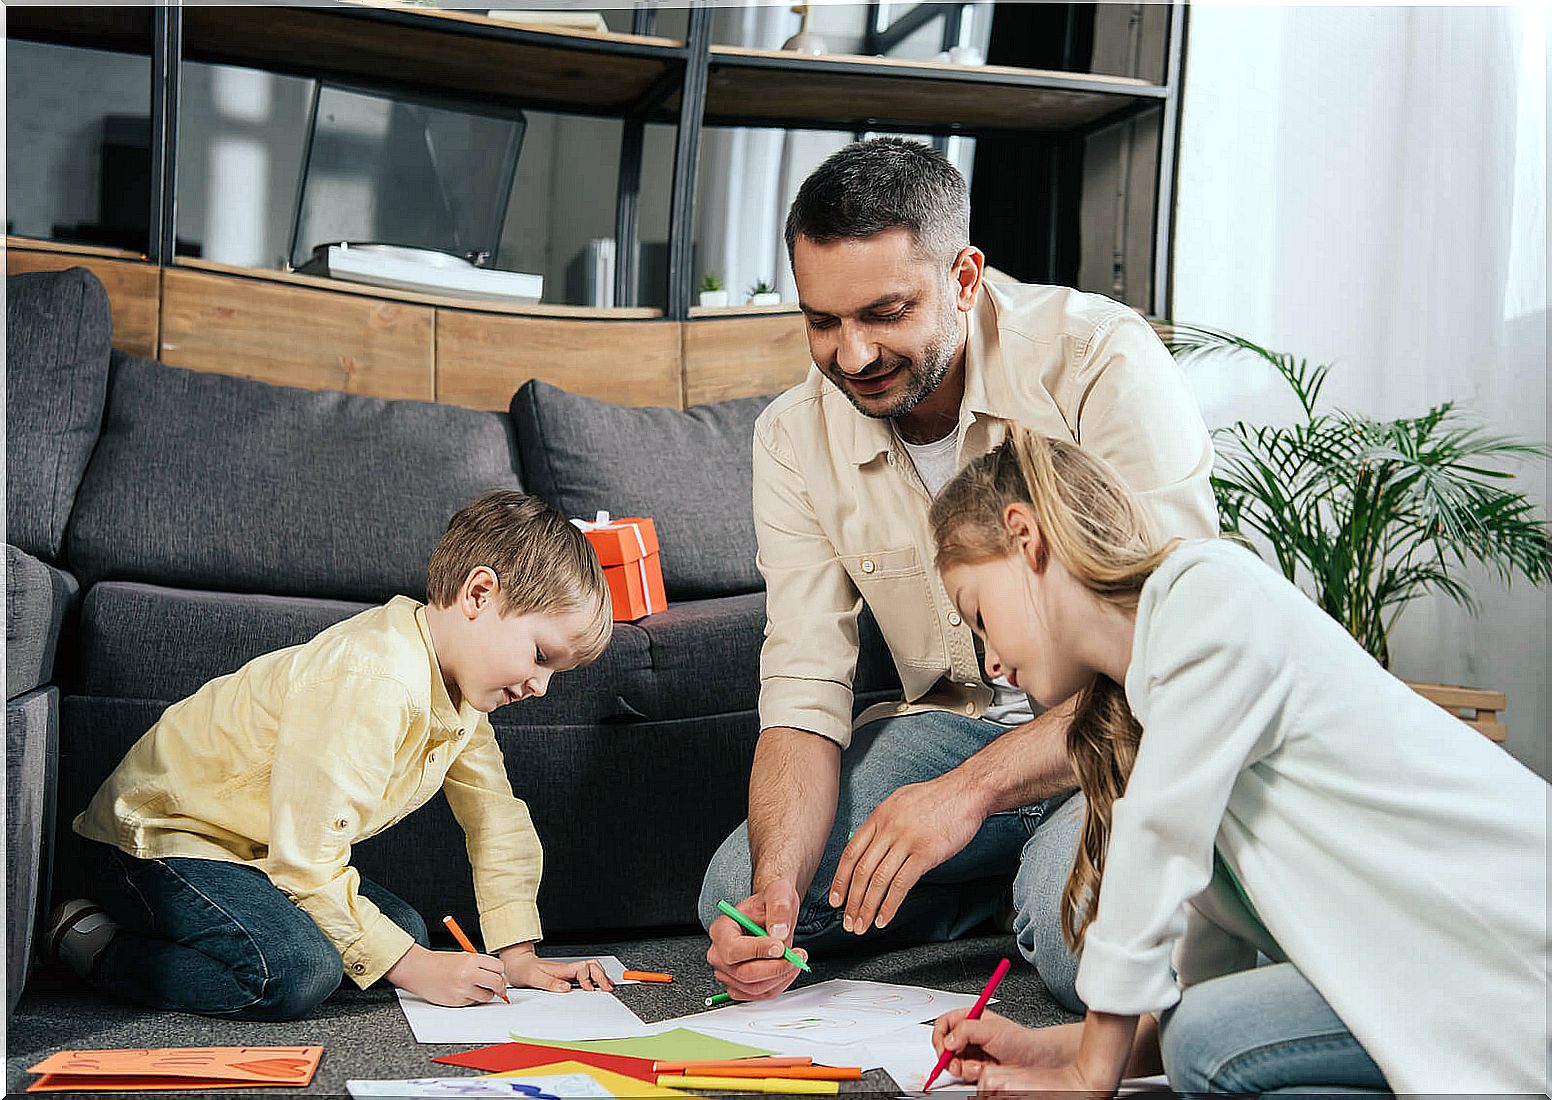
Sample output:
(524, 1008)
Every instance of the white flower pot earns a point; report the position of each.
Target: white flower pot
(772, 298)
(713, 299)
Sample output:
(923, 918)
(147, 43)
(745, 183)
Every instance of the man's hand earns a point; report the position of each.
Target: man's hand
(912, 831)
(526, 970)
(450, 978)
(752, 967)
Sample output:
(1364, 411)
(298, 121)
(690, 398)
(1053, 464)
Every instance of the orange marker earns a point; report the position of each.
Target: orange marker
(794, 1073)
(463, 942)
(647, 976)
(762, 1062)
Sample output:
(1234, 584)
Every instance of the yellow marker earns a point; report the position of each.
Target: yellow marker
(750, 1084)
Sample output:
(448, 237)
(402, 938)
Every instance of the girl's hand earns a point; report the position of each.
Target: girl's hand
(450, 978)
(995, 1040)
(1002, 1080)
(527, 970)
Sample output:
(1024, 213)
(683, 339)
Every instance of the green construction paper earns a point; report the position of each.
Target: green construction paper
(679, 1045)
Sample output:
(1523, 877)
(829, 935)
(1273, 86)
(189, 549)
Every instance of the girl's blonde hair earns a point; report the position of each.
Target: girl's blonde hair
(1092, 524)
(545, 565)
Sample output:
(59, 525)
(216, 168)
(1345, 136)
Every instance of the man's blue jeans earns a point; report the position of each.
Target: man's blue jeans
(1262, 1031)
(217, 939)
(1034, 845)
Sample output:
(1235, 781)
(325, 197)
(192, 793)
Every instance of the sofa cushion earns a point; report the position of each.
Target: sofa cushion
(691, 471)
(31, 772)
(143, 641)
(208, 481)
(38, 598)
(57, 339)
(706, 660)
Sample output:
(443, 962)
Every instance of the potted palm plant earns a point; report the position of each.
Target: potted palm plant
(1368, 514)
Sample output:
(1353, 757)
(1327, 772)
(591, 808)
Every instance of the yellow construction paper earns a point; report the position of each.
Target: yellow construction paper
(617, 1083)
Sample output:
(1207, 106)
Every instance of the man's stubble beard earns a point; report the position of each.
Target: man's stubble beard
(923, 375)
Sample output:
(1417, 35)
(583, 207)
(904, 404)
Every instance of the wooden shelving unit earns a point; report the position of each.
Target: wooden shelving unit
(639, 78)
(770, 88)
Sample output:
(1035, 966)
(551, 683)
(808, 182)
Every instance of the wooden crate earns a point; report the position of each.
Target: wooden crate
(1478, 709)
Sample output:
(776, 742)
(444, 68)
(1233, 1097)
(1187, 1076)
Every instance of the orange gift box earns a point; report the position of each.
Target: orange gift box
(627, 548)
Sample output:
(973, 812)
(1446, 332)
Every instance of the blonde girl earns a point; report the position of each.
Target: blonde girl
(1256, 786)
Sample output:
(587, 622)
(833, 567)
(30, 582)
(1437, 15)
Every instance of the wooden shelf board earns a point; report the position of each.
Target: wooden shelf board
(453, 55)
(103, 27)
(362, 290)
(745, 86)
(743, 311)
(37, 244)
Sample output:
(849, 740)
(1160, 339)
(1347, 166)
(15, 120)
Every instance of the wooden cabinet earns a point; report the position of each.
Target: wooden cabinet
(297, 330)
(133, 286)
(298, 336)
(482, 358)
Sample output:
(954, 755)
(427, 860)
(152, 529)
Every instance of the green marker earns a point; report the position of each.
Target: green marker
(718, 999)
(755, 930)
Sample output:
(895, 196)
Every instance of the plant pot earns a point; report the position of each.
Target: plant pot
(770, 299)
(1478, 709)
(714, 299)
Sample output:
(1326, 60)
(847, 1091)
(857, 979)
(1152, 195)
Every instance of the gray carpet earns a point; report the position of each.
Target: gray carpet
(365, 1035)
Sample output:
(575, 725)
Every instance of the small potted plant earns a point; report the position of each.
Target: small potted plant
(713, 294)
(1369, 514)
(763, 294)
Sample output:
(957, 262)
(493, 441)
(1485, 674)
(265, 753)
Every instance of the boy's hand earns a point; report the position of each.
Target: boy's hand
(527, 970)
(451, 978)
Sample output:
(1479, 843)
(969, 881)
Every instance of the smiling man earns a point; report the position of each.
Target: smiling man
(905, 825)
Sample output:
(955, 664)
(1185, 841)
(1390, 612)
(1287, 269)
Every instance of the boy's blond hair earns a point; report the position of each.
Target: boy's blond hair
(544, 564)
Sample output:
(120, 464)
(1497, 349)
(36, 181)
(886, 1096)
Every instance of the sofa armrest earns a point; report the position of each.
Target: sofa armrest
(38, 598)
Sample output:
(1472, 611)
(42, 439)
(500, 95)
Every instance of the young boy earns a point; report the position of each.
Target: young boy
(223, 837)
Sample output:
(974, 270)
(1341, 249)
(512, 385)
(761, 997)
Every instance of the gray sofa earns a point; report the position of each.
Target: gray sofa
(165, 526)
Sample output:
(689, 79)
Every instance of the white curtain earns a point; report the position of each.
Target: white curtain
(1367, 185)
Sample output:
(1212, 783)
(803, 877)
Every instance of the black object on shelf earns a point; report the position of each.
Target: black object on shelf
(412, 172)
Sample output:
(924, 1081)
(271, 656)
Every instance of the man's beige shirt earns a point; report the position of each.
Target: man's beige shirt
(297, 756)
(841, 514)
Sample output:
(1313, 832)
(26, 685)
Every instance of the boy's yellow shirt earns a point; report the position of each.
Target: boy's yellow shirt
(301, 753)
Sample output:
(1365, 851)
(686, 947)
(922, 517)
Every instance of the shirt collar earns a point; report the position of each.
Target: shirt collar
(447, 719)
(986, 383)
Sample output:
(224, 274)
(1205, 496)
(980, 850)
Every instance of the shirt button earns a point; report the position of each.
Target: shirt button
(342, 823)
(953, 618)
(970, 709)
(359, 968)
(902, 708)
(431, 758)
(867, 565)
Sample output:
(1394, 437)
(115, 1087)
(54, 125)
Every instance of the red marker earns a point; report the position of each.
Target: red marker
(974, 1014)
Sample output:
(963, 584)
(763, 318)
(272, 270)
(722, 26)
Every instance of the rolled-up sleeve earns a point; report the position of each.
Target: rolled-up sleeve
(328, 778)
(1133, 410)
(504, 849)
(809, 658)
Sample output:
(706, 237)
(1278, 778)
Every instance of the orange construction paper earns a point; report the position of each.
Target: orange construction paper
(175, 1068)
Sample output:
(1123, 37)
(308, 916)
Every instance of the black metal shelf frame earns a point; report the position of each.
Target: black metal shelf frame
(688, 69)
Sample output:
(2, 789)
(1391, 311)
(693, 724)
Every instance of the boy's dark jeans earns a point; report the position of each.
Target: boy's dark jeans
(217, 939)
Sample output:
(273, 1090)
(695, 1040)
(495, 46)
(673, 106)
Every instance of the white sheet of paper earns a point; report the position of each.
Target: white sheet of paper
(564, 1085)
(612, 966)
(841, 1010)
(907, 1056)
(533, 1013)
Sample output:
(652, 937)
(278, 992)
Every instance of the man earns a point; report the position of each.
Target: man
(910, 835)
